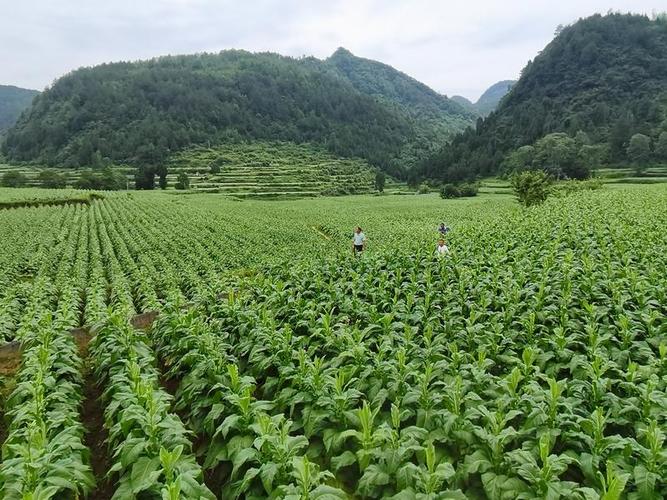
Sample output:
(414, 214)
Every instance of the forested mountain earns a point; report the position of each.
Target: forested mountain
(433, 111)
(598, 84)
(488, 101)
(465, 103)
(140, 113)
(13, 100)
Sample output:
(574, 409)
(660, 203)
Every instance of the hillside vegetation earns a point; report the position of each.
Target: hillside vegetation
(270, 170)
(436, 115)
(604, 76)
(489, 100)
(13, 100)
(140, 113)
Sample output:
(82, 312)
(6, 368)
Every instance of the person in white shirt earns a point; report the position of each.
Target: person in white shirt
(441, 249)
(358, 241)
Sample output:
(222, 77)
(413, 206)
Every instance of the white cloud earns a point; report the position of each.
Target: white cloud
(455, 47)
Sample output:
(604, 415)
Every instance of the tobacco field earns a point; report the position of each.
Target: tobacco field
(531, 362)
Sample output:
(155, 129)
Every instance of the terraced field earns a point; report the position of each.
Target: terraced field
(529, 363)
(273, 170)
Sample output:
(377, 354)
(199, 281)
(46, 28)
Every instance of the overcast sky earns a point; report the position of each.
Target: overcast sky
(456, 47)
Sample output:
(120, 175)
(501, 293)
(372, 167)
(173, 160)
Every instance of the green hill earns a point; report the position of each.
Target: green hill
(13, 100)
(465, 103)
(437, 116)
(488, 101)
(491, 98)
(604, 76)
(140, 113)
(271, 170)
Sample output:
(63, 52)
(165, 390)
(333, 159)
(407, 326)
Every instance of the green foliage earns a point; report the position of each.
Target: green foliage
(150, 445)
(423, 188)
(435, 116)
(530, 364)
(556, 154)
(13, 179)
(107, 179)
(13, 100)
(531, 187)
(639, 151)
(593, 156)
(44, 455)
(559, 155)
(661, 147)
(603, 75)
(520, 159)
(492, 96)
(462, 190)
(450, 191)
(380, 181)
(576, 186)
(183, 181)
(50, 179)
(138, 113)
(489, 100)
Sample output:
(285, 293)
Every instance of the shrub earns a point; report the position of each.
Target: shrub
(107, 179)
(51, 179)
(574, 186)
(182, 181)
(379, 181)
(468, 189)
(14, 179)
(423, 189)
(449, 191)
(463, 190)
(531, 187)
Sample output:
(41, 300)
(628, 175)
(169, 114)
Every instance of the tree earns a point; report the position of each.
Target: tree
(161, 172)
(661, 147)
(581, 139)
(519, 159)
(88, 180)
(182, 181)
(531, 187)
(639, 151)
(379, 181)
(556, 154)
(111, 180)
(449, 191)
(593, 155)
(620, 135)
(50, 179)
(144, 178)
(14, 179)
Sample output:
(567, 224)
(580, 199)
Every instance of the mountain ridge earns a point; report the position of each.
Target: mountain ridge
(489, 100)
(603, 76)
(13, 100)
(139, 113)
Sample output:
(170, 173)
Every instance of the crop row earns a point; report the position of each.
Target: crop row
(44, 454)
(150, 446)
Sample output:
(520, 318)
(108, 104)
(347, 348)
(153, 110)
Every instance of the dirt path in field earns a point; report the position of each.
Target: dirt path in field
(92, 418)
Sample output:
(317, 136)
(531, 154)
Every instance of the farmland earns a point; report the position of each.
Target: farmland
(531, 362)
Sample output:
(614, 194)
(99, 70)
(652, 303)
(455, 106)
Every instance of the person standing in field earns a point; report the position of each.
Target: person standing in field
(358, 241)
(443, 230)
(442, 248)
